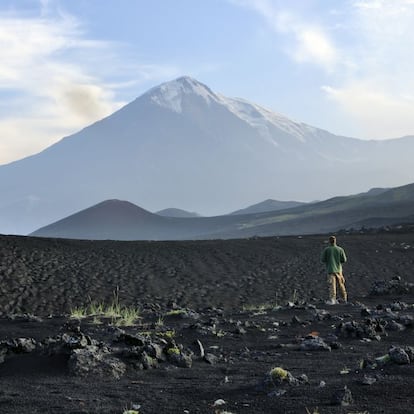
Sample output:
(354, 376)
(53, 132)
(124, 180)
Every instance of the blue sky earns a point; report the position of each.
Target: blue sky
(345, 66)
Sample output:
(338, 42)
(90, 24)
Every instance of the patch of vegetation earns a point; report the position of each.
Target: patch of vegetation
(173, 351)
(344, 371)
(95, 308)
(147, 334)
(120, 315)
(261, 308)
(173, 312)
(219, 333)
(78, 313)
(294, 297)
(278, 373)
(127, 317)
(170, 334)
(159, 322)
(314, 411)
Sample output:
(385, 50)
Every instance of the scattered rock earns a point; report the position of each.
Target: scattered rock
(219, 403)
(179, 358)
(130, 339)
(369, 329)
(211, 358)
(19, 345)
(3, 353)
(314, 343)
(367, 380)
(76, 341)
(93, 361)
(393, 286)
(199, 349)
(406, 320)
(343, 397)
(321, 314)
(148, 362)
(277, 392)
(240, 330)
(410, 352)
(395, 326)
(155, 351)
(399, 356)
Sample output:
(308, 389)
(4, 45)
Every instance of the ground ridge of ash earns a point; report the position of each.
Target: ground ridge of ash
(236, 326)
(355, 357)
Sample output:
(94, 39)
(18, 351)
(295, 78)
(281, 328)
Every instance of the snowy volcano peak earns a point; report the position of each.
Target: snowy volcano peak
(264, 120)
(170, 94)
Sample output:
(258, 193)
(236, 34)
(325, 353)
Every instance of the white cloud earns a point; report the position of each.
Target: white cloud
(375, 93)
(50, 93)
(365, 50)
(305, 41)
(378, 114)
(57, 79)
(315, 47)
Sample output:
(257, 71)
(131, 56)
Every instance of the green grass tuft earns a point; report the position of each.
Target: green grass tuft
(120, 315)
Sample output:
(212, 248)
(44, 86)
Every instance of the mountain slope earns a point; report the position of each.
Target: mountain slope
(183, 144)
(268, 205)
(176, 212)
(111, 219)
(120, 220)
(373, 209)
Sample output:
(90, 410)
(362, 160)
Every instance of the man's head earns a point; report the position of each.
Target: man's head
(332, 240)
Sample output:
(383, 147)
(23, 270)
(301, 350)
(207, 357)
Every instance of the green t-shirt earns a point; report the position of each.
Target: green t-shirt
(333, 256)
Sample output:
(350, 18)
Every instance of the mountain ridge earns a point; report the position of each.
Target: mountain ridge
(376, 209)
(267, 205)
(214, 156)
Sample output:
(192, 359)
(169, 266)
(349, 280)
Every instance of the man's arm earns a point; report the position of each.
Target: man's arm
(343, 256)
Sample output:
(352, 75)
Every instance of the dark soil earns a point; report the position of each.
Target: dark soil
(251, 303)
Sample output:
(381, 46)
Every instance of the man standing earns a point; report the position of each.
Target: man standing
(333, 256)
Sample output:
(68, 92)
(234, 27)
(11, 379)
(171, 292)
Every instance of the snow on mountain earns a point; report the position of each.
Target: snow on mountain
(261, 118)
(170, 94)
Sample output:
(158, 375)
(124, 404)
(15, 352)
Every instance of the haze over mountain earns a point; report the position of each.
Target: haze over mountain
(176, 212)
(183, 144)
(121, 220)
(268, 205)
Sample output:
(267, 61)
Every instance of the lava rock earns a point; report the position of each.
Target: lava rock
(343, 397)
(130, 339)
(20, 345)
(367, 380)
(211, 358)
(314, 343)
(399, 356)
(93, 361)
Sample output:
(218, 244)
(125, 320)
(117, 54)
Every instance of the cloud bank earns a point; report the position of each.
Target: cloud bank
(363, 47)
(48, 94)
(54, 80)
